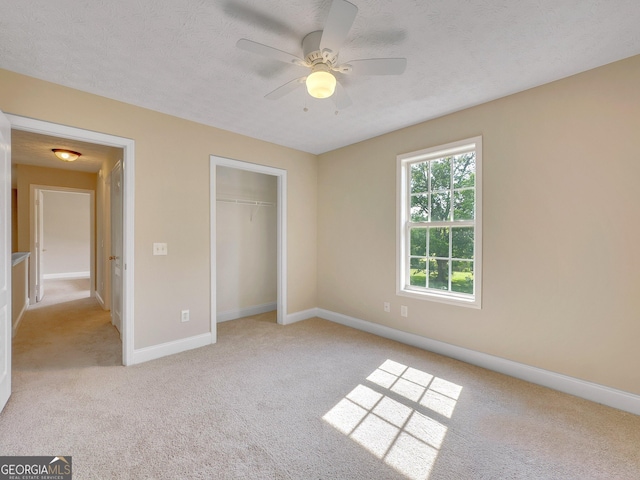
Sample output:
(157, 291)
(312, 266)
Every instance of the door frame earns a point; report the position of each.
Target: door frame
(36, 214)
(281, 232)
(112, 266)
(128, 170)
(6, 323)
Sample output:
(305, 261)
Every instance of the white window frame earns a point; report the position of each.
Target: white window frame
(404, 163)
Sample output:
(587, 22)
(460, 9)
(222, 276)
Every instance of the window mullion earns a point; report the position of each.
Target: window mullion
(461, 223)
(450, 257)
(427, 265)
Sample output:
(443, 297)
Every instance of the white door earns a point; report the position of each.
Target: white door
(116, 246)
(39, 239)
(5, 263)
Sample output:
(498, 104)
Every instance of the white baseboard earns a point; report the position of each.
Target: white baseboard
(580, 388)
(245, 312)
(19, 317)
(299, 316)
(142, 355)
(67, 275)
(100, 300)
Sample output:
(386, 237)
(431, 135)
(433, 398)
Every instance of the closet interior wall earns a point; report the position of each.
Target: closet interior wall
(246, 243)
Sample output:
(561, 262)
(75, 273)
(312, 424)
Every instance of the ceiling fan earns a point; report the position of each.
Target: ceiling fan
(320, 50)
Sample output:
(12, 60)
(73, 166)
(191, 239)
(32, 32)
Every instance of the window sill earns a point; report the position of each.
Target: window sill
(451, 299)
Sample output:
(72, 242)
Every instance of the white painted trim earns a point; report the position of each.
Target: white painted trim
(282, 231)
(246, 312)
(100, 301)
(68, 275)
(128, 146)
(146, 354)
(213, 306)
(580, 388)
(20, 315)
(302, 315)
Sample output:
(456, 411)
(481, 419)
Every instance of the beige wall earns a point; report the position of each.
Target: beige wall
(172, 201)
(561, 228)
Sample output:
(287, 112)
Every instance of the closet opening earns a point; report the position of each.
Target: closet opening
(248, 240)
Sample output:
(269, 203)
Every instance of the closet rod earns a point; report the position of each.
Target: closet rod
(246, 202)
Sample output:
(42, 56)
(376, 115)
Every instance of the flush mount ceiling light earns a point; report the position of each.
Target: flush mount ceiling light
(66, 155)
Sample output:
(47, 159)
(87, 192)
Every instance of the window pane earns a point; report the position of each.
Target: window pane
(440, 206)
(464, 170)
(419, 177)
(439, 242)
(441, 174)
(463, 202)
(419, 208)
(418, 275)
(462, 242)
(439, 274)
(462, 277)
(419, 242)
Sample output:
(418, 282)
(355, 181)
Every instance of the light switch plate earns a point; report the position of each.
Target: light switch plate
(160, 249)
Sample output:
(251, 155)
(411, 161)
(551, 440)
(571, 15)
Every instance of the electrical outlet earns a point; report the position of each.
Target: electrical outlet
(184, 316)
(404, 311)
(387, 307)
(160, 249)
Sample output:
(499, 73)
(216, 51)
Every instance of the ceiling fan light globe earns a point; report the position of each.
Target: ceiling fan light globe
(321, 84)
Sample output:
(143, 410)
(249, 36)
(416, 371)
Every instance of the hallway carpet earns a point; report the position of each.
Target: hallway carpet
(312, 400)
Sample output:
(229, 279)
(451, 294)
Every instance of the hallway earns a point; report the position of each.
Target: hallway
(67, 330)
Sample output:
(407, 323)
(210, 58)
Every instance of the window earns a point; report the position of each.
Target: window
(440, 228)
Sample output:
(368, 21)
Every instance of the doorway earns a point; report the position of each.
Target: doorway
(127, 186)
(279, 205)
(62, 237)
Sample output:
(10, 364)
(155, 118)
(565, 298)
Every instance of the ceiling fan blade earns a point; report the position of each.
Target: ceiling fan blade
(288, 87)
(260, 49)
(374, 66)
(336, 28)
(340, 97)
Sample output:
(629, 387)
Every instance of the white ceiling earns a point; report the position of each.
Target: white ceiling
(179, 56)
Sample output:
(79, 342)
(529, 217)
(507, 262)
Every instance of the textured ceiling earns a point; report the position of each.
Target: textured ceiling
(179, 56)
(34, 149)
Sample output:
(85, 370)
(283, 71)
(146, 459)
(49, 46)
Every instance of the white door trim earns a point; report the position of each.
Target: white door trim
(115, 246)
(5, 260)
(281, 228)
(34, 191)
(128, 146)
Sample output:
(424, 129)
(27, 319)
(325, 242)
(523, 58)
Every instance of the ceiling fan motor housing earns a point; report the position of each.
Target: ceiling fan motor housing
(312, 53)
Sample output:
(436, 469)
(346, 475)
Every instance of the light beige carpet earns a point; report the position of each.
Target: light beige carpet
(313, 400)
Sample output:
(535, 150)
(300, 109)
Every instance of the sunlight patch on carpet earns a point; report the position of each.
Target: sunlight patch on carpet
(393, 417)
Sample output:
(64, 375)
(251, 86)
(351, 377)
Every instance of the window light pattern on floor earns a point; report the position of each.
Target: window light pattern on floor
(392, 418)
